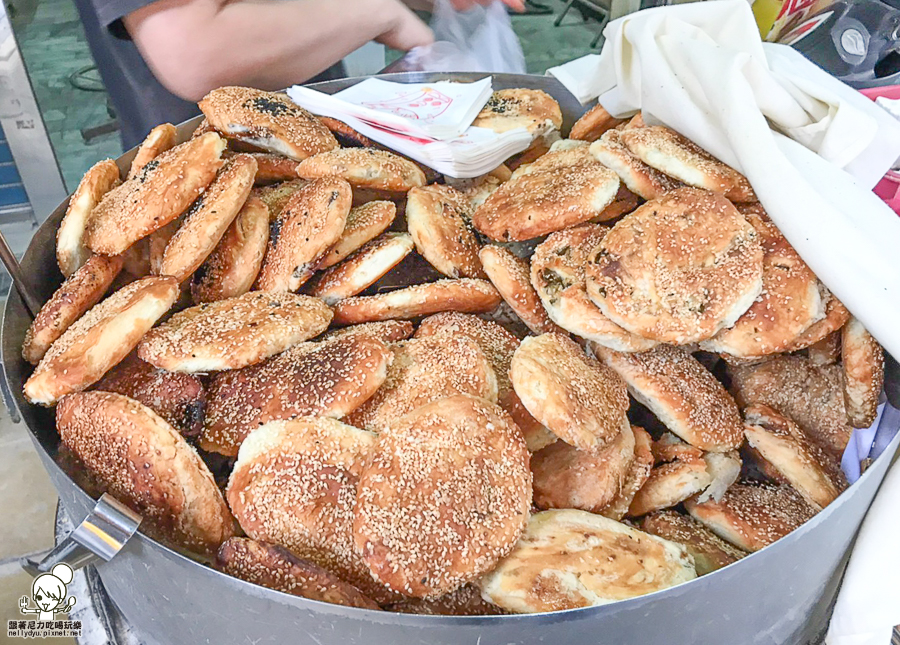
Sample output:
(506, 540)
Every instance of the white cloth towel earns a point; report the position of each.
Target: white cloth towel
(812, 149)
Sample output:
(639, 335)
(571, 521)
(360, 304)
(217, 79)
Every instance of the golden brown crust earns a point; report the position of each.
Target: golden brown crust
(827, 351)
(466, 295)
(561, 189)
(445, 494)
(753, 515)
(364, 223)
(591, 125)
(836, 316)
(234, 333)
(277, 195)
(310, 223)
(156, 244)
(345, 135)
(508, 109)
(636, 477)
(390, 331)
(557, 274)
(640, 178)
(270, 168)
(148, 466)
(100, 339)
(425, 370)
(206, 221)
(230, 270)
(678, 269)
(71, 252)
(362, 269)
(465, 601)
(273, 566)
(268, 120)
(511, 276)
(81, 291)
(439, 220)
(710, 552)
(328, 379)
(579, 399)
(863, 366)
(679, 157)
(624, 203)
(364, 168)
(161, 138)
(158, 194)
(670, 484)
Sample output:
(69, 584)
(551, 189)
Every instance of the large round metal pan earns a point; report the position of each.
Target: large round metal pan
(780, 595)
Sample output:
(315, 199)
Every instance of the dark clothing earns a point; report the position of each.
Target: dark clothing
(139, 100)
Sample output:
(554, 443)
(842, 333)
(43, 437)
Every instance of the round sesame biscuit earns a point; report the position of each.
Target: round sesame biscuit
(520, 107)
(294, 484)
(390, 331)
(565, 477)
(267, 120)
(677, 156)
(682, 394)
(498, 346)
(234, 333)
(557, 275)
(710, 552)
(788, 305)
(568, 559)
(206, 221)
(162, 191)
(364, 168)
(670, 484)
(510, 275)
(753, 515)
(81, 291)
(466, 295)
(579, 399)
(232, 267)
(310, 223)
(425, 370)
(786, 447)
(863, 368)
(465, 601)
(364, 224)
(276, 195)
(148, 466)
(362, 269)
(273, 566)
(99, 339)
(640, 178)
(71, 252)
(678, 269)
(327, 379)
(439, 220)
(593, 124)
(637, 475)
(561, 189)
(161, 138)
(443, 497)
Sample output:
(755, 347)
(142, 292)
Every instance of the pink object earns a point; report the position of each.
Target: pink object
(889, 187)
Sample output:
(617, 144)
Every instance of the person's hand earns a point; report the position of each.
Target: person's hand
(463, 5)
(406, 31)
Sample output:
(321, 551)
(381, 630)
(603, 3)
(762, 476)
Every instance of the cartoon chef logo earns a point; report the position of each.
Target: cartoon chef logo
(49, 593)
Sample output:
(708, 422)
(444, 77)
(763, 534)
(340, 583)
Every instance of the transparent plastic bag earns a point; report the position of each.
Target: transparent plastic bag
(478, 40)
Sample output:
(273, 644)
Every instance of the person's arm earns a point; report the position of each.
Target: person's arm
(194, 46)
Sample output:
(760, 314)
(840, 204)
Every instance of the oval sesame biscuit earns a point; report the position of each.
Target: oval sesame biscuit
(268, 120)
(310, 223)
(328, 379)
(640, 178)
(557, 275)
(425, 370)
(364, 223)
(677, 156)
(390, 331)
(231, 269)
(81, 291)
(273, 566)
(443, 497)
(670, 484)
(294, 484)
(234, 333)
(364, 168)
(637, 475)
(511, 276)
(568, 559)
(682, 394)
(147, 465)
(101, 338)
(753, 515)
(678, 269)
(520, 107)
(362, 269)
(162, 191)
(161, 138)
(439, 220)
(710, 552)
(466, 295)
(863, 367)
(206, 221)
(593, 124)
(579, 399)
(71, 252)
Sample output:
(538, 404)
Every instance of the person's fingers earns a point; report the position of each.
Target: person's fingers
(408, 31)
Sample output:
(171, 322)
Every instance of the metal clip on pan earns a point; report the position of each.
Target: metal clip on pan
(100, 536)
